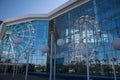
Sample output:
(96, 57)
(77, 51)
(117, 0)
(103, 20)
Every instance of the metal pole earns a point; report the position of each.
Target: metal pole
(102, 70)
(87, 60)
(113, 63)
(6, 65)
(14, 66)
(51, 57)
(55, 62)
(27, 65)
(17, 67)
(114, 72)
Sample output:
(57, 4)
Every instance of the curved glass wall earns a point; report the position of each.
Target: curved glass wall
(69, 57)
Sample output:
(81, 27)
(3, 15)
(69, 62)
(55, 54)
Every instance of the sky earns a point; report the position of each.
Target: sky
(14, 8)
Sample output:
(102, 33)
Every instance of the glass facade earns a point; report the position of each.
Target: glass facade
(69, 58)
(24, 39)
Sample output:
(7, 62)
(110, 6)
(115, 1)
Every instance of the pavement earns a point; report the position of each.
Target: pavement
(9, 76)
(43, 76)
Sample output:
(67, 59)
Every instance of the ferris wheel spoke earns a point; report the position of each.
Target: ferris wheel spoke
(17, 32)
(18, 28)
(18, 36)
(23, 31)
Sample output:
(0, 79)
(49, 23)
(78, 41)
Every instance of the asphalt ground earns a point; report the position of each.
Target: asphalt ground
(9, 76)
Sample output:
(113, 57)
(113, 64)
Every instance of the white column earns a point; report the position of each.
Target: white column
(27, 65)
(55, 62)
(51, 56)
(87, 60)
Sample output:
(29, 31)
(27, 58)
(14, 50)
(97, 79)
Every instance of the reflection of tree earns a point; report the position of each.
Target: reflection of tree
(40, 67)
(118, 69)
(107, 69)
(8, 61)
(80, 67)
(59, 67)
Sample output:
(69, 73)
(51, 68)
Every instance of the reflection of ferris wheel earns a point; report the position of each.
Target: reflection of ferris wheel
(85, 36)
(24, 34)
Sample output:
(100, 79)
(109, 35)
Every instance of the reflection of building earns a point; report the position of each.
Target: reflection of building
(62, 22)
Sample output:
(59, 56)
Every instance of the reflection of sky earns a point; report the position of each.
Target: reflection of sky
(41, 38)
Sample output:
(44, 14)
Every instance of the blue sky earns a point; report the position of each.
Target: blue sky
(14, 8)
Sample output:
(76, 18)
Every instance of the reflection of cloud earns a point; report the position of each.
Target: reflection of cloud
(105, 20)
(10, 53)
(88, 10)
(77, 57)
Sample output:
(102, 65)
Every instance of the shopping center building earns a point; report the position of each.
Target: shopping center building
(65, 22)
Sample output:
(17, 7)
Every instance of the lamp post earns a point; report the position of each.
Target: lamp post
(44, 49)
(60, 42)
(27, 64)
(9, 39)
(27, 51)
(15, 46)
(116, 45)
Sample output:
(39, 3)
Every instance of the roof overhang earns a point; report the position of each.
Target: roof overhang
(71, 4)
